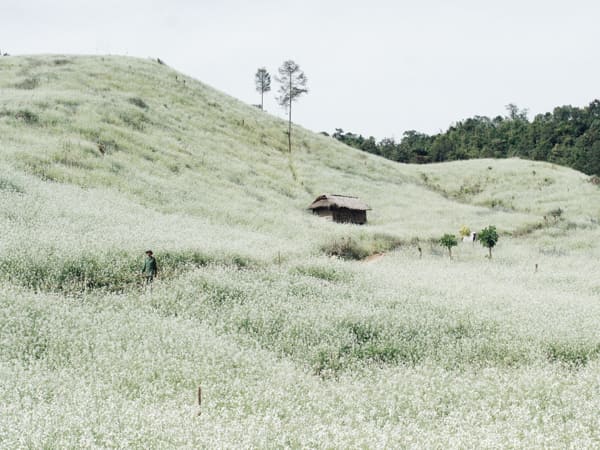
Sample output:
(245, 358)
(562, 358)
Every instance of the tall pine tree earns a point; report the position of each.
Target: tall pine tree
(262, 80)
(292, 85)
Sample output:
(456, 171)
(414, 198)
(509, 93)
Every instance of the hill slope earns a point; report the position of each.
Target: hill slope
(141, 133)
(103, 157)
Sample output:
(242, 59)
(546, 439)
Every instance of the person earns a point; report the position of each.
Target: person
(150, 269)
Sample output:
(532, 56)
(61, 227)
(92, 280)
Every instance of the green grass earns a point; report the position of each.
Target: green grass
(296, 340)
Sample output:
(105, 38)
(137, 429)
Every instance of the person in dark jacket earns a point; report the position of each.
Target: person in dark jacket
(150, 269)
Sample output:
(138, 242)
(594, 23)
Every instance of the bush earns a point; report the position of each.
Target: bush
(448, 241)
(556, 213)
(138, 102)
(346, 248)
(488, 237)
(27, 116)
(572, 355)
(362, 246)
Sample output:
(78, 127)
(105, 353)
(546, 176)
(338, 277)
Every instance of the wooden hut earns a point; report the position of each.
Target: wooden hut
(340, 208)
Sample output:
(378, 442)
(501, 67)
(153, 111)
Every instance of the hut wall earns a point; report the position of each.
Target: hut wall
(324, 212)
(344, 215)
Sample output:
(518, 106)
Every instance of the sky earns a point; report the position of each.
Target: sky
(377, 67)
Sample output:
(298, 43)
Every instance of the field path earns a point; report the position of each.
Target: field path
(374, 258)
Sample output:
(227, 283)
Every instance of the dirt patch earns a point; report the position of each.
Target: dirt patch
(373, 258)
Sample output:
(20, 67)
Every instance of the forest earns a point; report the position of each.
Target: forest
(568, 136)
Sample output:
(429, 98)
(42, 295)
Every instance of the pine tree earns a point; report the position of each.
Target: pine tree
(262, 79)
(292, 85)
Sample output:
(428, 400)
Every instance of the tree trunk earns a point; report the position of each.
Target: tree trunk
(490, 249)
(262, 93)
(290, 119)
(450, 252)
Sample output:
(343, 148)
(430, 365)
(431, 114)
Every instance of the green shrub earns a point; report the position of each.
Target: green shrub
(488, 237)
(361, 246)
(556, 213)
(572, 355)
(27, 116)
(362, 332)
(138, 102)
(346, 248)
(448, 241)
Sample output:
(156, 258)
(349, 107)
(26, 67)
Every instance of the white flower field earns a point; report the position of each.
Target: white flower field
(102, 158)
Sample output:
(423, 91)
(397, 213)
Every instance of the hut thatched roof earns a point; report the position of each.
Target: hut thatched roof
(339, 201)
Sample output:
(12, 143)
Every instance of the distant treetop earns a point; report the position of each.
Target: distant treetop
(569, 136)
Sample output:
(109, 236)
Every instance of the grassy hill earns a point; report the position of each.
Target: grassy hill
(103, 157)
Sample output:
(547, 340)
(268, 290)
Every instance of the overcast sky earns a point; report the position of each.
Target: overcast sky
(374, 67)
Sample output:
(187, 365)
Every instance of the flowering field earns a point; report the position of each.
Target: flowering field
(102, 158)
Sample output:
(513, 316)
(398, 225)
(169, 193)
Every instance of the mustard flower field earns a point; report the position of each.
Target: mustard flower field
(301, 333)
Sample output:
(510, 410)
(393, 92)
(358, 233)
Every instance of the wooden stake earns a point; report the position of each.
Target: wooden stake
(199, 399)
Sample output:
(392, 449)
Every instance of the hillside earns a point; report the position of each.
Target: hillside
(133, 132)
(104, 157)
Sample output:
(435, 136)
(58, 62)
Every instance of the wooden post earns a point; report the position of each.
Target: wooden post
(199, 399)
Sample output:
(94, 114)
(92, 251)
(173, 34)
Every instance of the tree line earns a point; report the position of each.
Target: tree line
(568, 136)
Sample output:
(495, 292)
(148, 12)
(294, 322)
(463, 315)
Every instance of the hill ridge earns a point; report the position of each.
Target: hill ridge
(175, 145)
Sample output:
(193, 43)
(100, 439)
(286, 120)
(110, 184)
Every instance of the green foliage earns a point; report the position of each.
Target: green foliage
(262, 81)
(569, 136)
(346, 248)
(138, 102)
(27, 116)
(573, 354)
(361, 246)
(292, 84)
(556, 213)
(112, 271)
(448, 241)
(488, 237)
(292, 81)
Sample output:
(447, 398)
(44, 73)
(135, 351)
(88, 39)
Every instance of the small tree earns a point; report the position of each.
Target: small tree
(262, 79)
(448, 241)
(293, 85)
(488, 237)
